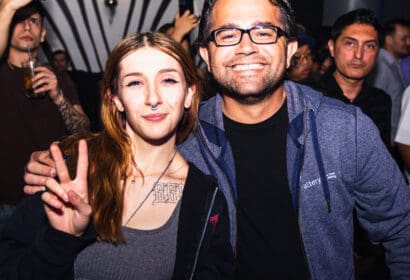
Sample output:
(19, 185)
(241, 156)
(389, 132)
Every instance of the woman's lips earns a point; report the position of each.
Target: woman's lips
(155, 117)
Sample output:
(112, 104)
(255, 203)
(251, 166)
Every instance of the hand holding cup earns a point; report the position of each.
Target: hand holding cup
(29, 74)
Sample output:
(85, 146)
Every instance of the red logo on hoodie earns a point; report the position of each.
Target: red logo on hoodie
(214, 221)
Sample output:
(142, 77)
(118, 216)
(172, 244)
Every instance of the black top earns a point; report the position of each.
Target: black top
(269, 242)
(27, 125)
(32, 249)
(374, 102)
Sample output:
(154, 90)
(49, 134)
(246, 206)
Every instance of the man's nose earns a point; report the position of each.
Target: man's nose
(27, 24)
(246, 45)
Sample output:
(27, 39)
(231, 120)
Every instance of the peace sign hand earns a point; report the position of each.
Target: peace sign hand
(66, 202)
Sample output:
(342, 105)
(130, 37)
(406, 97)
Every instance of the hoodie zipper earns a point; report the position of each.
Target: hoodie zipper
(305, 113)
(230, 188)
(203, 232)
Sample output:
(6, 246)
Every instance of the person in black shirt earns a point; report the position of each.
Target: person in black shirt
(354, 47)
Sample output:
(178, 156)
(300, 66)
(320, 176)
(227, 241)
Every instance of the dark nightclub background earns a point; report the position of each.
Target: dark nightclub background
(88, 29)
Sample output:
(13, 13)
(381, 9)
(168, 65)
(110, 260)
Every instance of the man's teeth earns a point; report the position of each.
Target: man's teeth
(244, 67)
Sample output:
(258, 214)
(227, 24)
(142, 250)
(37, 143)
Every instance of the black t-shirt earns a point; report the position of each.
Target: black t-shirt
(374, 102)
(27, 125)
(269, 242)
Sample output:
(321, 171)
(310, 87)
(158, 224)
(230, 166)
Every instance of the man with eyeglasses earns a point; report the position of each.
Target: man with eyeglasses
(292, 164)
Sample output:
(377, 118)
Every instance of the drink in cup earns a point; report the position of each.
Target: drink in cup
(28, 70)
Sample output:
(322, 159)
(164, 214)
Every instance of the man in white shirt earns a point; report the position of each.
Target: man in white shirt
(403, 133)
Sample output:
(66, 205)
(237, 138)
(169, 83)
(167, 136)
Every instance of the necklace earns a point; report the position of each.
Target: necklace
(9, 63)
(152, 188)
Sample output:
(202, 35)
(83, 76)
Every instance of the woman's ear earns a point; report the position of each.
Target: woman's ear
(117, 102)
(189, 96)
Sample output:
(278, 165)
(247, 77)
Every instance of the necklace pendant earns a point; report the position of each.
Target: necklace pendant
(133, 181)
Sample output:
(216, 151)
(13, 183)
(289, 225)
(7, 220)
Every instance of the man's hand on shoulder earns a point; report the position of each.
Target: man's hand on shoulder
(39, 169)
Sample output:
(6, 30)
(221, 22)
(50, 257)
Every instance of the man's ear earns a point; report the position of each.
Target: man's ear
(43, 34)
(291, 48)
(388, 40)
(203, 51)
(331, 45)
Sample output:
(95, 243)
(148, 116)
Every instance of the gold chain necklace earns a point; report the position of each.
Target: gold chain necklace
(152, 189)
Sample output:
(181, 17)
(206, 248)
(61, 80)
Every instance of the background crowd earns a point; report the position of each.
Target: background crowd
(359, 155)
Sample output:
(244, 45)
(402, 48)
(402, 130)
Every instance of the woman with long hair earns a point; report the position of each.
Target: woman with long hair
(135, 208)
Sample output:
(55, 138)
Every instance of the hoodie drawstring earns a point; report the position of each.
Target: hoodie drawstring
(319, 160)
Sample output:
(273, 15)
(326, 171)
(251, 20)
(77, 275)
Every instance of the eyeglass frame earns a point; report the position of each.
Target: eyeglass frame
(279, 33)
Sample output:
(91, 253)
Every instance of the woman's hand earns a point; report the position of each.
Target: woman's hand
(66, 200)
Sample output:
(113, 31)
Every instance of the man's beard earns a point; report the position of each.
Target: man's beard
(232, 90)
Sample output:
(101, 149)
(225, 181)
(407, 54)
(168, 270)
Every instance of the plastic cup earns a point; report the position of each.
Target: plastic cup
(28, 70)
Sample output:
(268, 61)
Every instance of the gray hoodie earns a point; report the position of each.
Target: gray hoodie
(336, 163)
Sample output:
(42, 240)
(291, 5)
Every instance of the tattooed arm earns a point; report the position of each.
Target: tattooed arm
(73, 115)
(45, 80)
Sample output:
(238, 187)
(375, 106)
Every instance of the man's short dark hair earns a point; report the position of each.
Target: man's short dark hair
(360, 16)
(287, 19)
(24, 13)
(389, 27)
(56, 52)
(27, 11)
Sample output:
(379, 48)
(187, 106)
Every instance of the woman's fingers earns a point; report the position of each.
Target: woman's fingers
(52, 200)
(54, 187)
(80, 204)
(82, 163)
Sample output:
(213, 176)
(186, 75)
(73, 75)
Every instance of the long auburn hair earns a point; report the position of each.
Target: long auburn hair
(110, 153)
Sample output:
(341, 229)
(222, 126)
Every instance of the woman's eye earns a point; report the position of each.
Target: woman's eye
(170, 81)
(133, 83)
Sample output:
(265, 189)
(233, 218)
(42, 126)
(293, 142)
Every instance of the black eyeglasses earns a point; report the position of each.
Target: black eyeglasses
(261, 35)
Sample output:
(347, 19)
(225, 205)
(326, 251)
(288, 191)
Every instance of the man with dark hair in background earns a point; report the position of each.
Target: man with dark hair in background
(405, 61)
(386, 73)
(7, 10)
(354, 45)
(29, 123)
